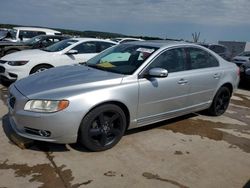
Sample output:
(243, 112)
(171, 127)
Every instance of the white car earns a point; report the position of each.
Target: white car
(123, 40)
(67, 52)
(25, 33)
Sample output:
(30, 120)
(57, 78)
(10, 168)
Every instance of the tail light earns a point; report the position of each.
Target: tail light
(238, 71)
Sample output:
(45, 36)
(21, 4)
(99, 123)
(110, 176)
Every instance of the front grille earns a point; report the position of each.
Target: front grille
(2, 69)
(2, 62)
(12, 101)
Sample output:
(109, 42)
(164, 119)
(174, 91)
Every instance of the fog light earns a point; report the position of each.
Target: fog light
(44, 133)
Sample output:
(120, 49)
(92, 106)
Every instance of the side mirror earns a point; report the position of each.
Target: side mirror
(71, 52)
(158, 72)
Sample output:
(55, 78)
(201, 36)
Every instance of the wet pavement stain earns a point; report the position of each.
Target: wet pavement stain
(244, 102)
(110, 174)
(210, 130)
(178, 153)
(157, 177)
(43, 173)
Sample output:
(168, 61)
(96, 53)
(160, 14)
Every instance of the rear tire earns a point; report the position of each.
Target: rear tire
(220, 102)
(102, 128)
(40, 68)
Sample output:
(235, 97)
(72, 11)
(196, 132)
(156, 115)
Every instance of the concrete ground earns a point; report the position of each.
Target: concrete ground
(191, 151)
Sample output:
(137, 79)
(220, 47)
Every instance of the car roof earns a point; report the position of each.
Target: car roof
(36, 29)
(161, 43)
(93, 39)
(54, 36)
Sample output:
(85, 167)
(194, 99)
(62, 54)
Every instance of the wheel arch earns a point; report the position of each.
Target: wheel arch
(229, 86)
(40, 64)
(118, 103)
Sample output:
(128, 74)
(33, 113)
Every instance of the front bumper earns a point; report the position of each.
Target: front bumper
(62, 126)
(13, 73)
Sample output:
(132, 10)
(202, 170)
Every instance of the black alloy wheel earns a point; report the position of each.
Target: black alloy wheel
(220, 102)
(103, 127)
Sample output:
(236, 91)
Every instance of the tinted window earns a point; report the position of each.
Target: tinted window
(103, 46)
(171, 60)
(86, 47)
(201, 59)
(30, 34)
(60, 45)
(218, 49)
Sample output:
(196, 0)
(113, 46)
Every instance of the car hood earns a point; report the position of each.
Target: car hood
(25, 55)
(65, 81)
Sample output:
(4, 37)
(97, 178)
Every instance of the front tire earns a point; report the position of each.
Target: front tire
(40, 68)
(220, 102)
(103, 127)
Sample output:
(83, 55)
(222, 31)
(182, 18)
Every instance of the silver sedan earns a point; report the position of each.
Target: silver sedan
(127, 86)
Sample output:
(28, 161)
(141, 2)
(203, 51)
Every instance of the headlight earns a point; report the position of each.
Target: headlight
(17, 63)
(46, 105)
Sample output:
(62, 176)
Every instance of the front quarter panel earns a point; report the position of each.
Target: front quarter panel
(125, 93)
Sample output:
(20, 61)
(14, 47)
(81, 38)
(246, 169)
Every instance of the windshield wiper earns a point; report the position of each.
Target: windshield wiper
(95, 66)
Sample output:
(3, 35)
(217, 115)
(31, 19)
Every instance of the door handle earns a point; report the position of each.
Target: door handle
(216, 76)
(182, 81)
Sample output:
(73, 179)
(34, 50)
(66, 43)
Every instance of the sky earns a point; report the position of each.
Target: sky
(178, 19)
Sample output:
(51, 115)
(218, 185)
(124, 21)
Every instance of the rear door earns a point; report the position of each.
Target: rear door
(203, 75)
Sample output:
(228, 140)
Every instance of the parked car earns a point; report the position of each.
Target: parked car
(67, 52)
(245, 72)
(123, 40)
(37, 42)
(242, 58)
(95, 103)
(25, 33)
(219, 49)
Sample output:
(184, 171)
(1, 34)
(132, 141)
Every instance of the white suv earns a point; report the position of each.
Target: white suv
(25, 33)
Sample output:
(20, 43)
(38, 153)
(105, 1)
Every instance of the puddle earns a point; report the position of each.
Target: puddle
(157, 177)
(43, 173)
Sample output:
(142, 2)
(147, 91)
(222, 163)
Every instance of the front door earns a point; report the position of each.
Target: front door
(162, 98)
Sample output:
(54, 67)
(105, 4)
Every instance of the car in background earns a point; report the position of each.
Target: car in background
(97, 102)
(24, 33)
(242, 58)
(123, 40)
(41, 41)
(220, 50)
(245, 72)
(67, 52)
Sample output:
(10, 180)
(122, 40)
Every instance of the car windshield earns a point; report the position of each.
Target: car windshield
(33, 40)
(60, 45)
(122, 59)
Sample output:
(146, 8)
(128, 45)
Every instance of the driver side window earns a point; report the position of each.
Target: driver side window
(173, 60)
(86, 47)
